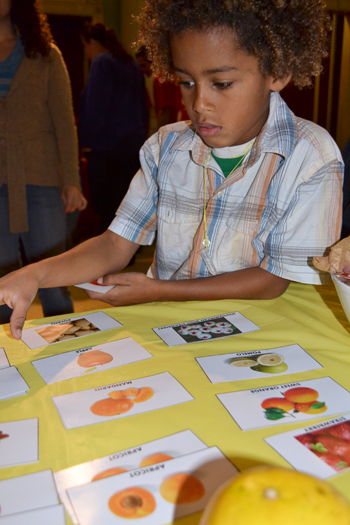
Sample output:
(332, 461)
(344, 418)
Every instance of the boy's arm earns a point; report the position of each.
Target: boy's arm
(98, 256)
(135, 288)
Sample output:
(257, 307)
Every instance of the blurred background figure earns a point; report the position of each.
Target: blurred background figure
(113, 119)
(39, 176)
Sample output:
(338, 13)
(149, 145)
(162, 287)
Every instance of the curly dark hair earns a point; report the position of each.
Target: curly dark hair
(32, 26)
(286, 36)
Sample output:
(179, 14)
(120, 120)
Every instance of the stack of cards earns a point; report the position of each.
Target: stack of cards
(12, 383)
(30, 500)
(19, 442)
(158, 482)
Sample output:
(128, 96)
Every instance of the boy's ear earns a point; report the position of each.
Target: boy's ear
(279, 83)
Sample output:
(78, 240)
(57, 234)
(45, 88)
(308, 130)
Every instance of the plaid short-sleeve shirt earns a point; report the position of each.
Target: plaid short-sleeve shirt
(280, 208)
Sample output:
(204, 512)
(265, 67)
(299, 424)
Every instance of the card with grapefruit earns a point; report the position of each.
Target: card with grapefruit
(322, 449)
(287, 403)
(89, 360)
(257, 364)
(140, 456)
(153, 495)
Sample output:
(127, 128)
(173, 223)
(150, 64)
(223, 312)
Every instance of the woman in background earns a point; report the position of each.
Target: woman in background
(113, 119)
(39, 177)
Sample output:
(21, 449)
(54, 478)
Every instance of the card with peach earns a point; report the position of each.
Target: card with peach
(322, 450)
(158, 494)
(289, 403)
(224, 325)
(89, 360)
(26, 493)
(257, 364)
(137, 457)
(68, 329)
(119, 400)
(19, 442)
(4, 362)
(12, 383)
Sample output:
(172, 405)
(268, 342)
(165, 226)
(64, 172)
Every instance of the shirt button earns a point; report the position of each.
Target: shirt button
(220, 194)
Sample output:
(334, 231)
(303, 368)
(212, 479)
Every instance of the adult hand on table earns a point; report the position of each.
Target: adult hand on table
(18, 290)
(72, 198)
(129, 288)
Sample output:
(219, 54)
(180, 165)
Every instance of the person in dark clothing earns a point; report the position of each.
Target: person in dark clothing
(113, 119)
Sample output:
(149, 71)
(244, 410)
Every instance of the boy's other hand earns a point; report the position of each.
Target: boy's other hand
(18, 290)
(129, 288)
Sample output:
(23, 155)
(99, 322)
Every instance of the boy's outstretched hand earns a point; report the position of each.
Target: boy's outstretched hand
(18, 290)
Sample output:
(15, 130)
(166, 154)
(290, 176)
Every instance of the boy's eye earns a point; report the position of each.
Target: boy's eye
(186, 83)
(222, 85)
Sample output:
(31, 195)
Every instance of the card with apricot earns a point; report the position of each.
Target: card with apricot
(68, 329)
(257, 364)
(288, 403)
(90, 360)
(322, 450)
(200, 330)
(140, 456)
(118, 400)
(156, 494)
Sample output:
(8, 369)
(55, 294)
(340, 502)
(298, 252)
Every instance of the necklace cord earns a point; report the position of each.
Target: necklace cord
(244, 154)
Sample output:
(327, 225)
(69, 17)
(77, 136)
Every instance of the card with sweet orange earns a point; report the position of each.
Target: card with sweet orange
(288, 403)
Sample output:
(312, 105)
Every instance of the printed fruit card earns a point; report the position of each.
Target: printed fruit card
(4, 362)
(120, 400)
(207, 329)
(29, 492)
(93, 286)
(257, 364)
(53, 515)
(12, 383)
(289, 403)
(67, 329)
(141, 456)
(322, 450)
(153, 495)
(89, 360)
(19, 442)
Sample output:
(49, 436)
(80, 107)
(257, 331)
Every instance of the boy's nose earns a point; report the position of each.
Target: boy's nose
(201, 102)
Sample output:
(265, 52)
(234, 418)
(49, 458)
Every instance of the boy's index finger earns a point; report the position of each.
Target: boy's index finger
(17, 320)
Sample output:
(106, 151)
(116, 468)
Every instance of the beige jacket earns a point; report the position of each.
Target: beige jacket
(38, 140)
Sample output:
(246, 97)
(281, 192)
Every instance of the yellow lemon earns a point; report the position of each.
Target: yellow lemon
(276, 496)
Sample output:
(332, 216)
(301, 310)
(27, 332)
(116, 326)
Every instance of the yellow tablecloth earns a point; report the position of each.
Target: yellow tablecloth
(309, 316)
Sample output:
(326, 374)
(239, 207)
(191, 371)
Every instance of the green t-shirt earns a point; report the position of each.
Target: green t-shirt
(228, 165)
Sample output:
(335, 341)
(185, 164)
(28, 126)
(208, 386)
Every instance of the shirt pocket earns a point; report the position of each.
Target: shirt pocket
(174, 209)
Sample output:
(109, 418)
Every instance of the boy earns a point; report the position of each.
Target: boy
(241, 236)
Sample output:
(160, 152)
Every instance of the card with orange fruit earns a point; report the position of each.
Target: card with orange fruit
(158, 495)
(288, 403)
(137, 457)
(119, 400)
(257, 364)
(68, 329)
(322, 450)
(89, 360)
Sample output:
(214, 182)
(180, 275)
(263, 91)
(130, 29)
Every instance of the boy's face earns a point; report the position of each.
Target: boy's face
(225, 94)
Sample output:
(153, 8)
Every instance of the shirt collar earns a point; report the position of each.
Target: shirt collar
(278, 135)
